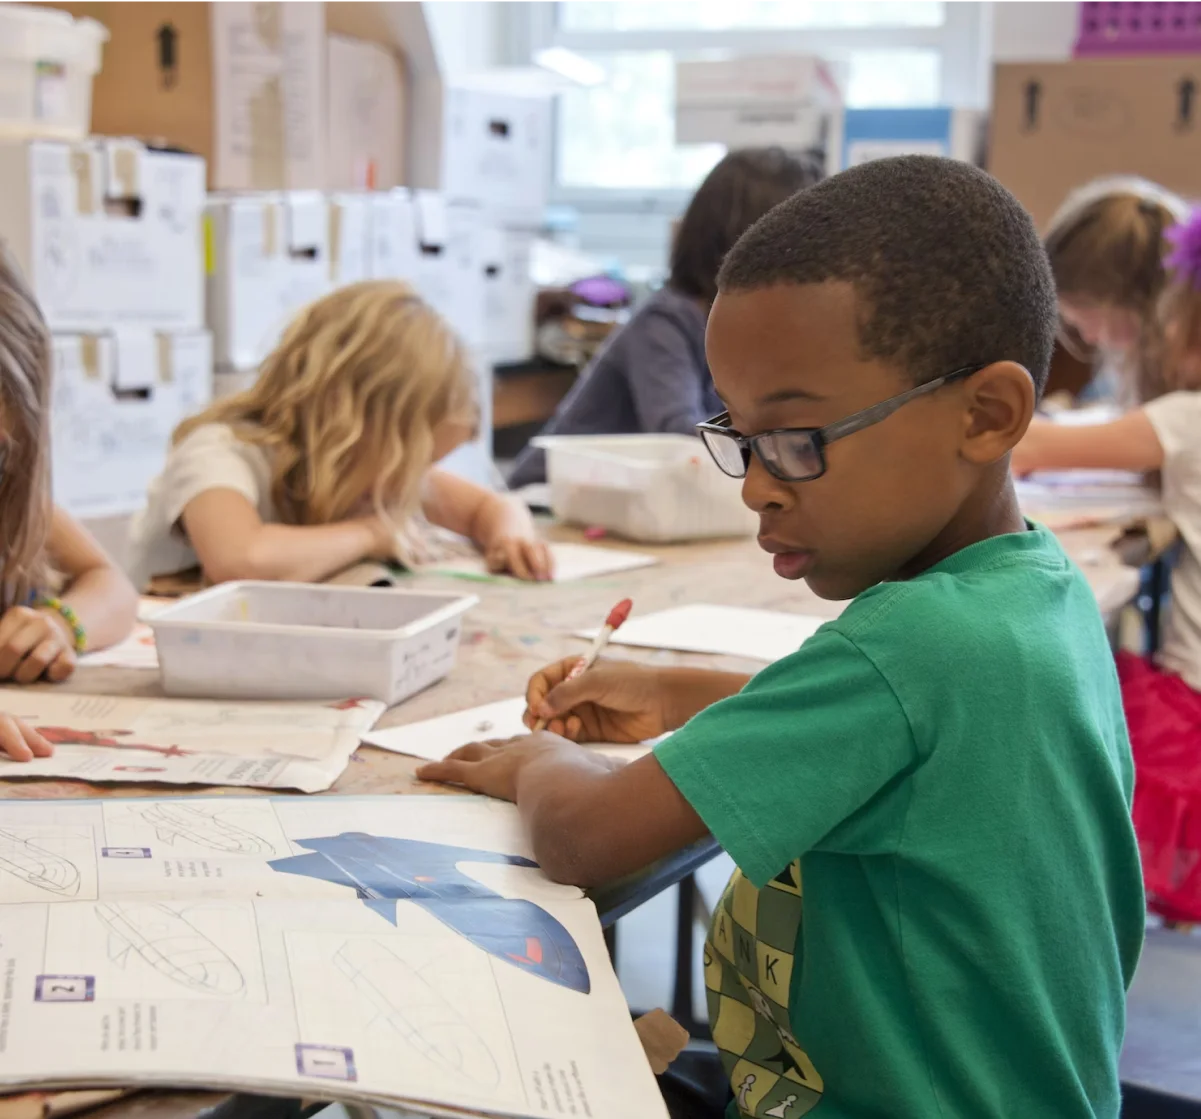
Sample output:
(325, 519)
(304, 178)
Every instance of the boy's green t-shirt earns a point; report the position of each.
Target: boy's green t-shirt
(945, 773)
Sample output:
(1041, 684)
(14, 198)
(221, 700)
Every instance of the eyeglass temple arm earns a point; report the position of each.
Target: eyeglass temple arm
(877, 412)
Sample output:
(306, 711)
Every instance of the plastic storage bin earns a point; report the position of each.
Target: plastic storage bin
(47, 63)
(1137, 29)
(293, 641)
(652, 488)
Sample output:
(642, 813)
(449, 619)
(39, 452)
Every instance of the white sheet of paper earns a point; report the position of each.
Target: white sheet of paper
(300, 946)
(433, 739)
(301, 746)
(572, 561)
(737, 631)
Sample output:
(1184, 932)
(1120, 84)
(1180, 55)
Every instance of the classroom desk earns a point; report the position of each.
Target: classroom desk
(515, 629)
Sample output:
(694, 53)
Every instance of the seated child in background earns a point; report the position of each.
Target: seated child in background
(1163, 700)
(42, 629)
(328, 460)
(652, 375)
(942, 774)
(1106, 246)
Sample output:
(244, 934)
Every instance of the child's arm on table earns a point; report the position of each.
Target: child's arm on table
(1126, 444)
(232, 542)
(499, 526)
(592, 818)
(37, 641)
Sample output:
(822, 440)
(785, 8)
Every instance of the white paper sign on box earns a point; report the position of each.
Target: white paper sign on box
(270, 258)
(269, 92)
(509, 292)
(349, 238)
(107, 233)
(395, 251)
(116, 401)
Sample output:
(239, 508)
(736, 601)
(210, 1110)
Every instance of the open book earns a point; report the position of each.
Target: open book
(398, 950)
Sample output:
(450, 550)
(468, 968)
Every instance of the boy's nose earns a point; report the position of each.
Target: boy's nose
(762, 492)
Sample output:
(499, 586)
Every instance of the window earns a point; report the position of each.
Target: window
(723, 15)
(620, 135)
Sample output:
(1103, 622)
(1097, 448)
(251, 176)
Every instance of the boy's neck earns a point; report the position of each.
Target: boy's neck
(990, 510)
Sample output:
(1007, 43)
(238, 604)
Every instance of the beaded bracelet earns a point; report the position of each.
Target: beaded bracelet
(49, 602)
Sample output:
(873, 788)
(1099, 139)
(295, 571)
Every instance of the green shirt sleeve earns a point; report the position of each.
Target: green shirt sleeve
(810, 755)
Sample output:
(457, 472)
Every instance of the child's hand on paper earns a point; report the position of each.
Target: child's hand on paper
(492, 768)
(522, 556)
(614, 701)
(20, 742)
(35, 644)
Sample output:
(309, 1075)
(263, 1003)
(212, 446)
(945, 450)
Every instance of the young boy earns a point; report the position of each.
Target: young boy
(945, 768)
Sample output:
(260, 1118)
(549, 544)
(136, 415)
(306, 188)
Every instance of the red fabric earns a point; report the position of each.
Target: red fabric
(1164, 717)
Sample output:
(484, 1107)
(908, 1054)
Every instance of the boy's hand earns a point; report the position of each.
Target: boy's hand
(614, 701)
(522, 556)
(35, 643)
(492, 767)
(20, 741)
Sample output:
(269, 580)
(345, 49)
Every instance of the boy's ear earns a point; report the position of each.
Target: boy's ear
(999, 406)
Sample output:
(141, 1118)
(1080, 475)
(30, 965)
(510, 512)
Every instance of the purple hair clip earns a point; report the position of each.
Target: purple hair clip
(1185, 257)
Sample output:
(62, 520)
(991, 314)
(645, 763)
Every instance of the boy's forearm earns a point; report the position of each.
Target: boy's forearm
(687, 691)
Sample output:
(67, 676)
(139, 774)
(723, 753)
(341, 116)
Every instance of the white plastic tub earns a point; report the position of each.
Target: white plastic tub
(47, 63)
(652, 488)
(295, 641)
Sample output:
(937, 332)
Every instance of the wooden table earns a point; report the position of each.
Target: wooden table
(515, 629)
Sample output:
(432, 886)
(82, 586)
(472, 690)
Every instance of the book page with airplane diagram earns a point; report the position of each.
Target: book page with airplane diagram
(400, 950)
(272, 745)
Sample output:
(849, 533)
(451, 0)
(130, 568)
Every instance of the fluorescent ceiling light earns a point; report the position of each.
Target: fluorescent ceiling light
(568, 64)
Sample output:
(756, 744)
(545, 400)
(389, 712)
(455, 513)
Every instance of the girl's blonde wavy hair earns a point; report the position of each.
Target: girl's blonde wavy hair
(25, 423)
(347, 404)
(1107, 245)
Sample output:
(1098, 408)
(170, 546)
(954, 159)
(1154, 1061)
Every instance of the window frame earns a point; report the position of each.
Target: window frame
(963, 41)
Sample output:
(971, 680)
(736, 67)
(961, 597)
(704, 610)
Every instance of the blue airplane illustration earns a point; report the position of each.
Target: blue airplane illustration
(384, 870)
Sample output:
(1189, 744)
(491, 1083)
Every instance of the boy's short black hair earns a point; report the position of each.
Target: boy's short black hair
(948, 267)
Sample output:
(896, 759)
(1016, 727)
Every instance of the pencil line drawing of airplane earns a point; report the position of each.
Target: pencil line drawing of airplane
(410, 1004)
(173, 820)
(33, 863)
(171, 944)
(385, 870)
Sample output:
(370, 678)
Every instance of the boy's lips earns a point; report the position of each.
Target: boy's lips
(789, 562)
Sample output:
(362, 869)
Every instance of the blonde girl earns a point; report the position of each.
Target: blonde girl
(1163, 335)
(1107, 248)
(328, 460)
(44, 550)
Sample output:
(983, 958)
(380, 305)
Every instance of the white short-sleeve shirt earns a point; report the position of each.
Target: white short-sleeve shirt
(1176, 419)
(210, 458)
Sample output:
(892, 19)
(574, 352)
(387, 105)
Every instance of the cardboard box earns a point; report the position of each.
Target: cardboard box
(364, 116)
(509, 293)
(117, 398)
(494, 150)
(107, 232)
(242, 84)
(867, 134)
(1057, 125)
(755, 101)
(268, 256)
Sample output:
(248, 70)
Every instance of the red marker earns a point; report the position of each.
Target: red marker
(613, 623)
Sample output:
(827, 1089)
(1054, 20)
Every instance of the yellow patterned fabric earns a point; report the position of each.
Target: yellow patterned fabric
(749, 965)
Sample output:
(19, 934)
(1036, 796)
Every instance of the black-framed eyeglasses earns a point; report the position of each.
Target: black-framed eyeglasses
(798, 454)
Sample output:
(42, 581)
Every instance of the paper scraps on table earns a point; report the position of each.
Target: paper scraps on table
(433, 739)
(571, 562)
(736, 631)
